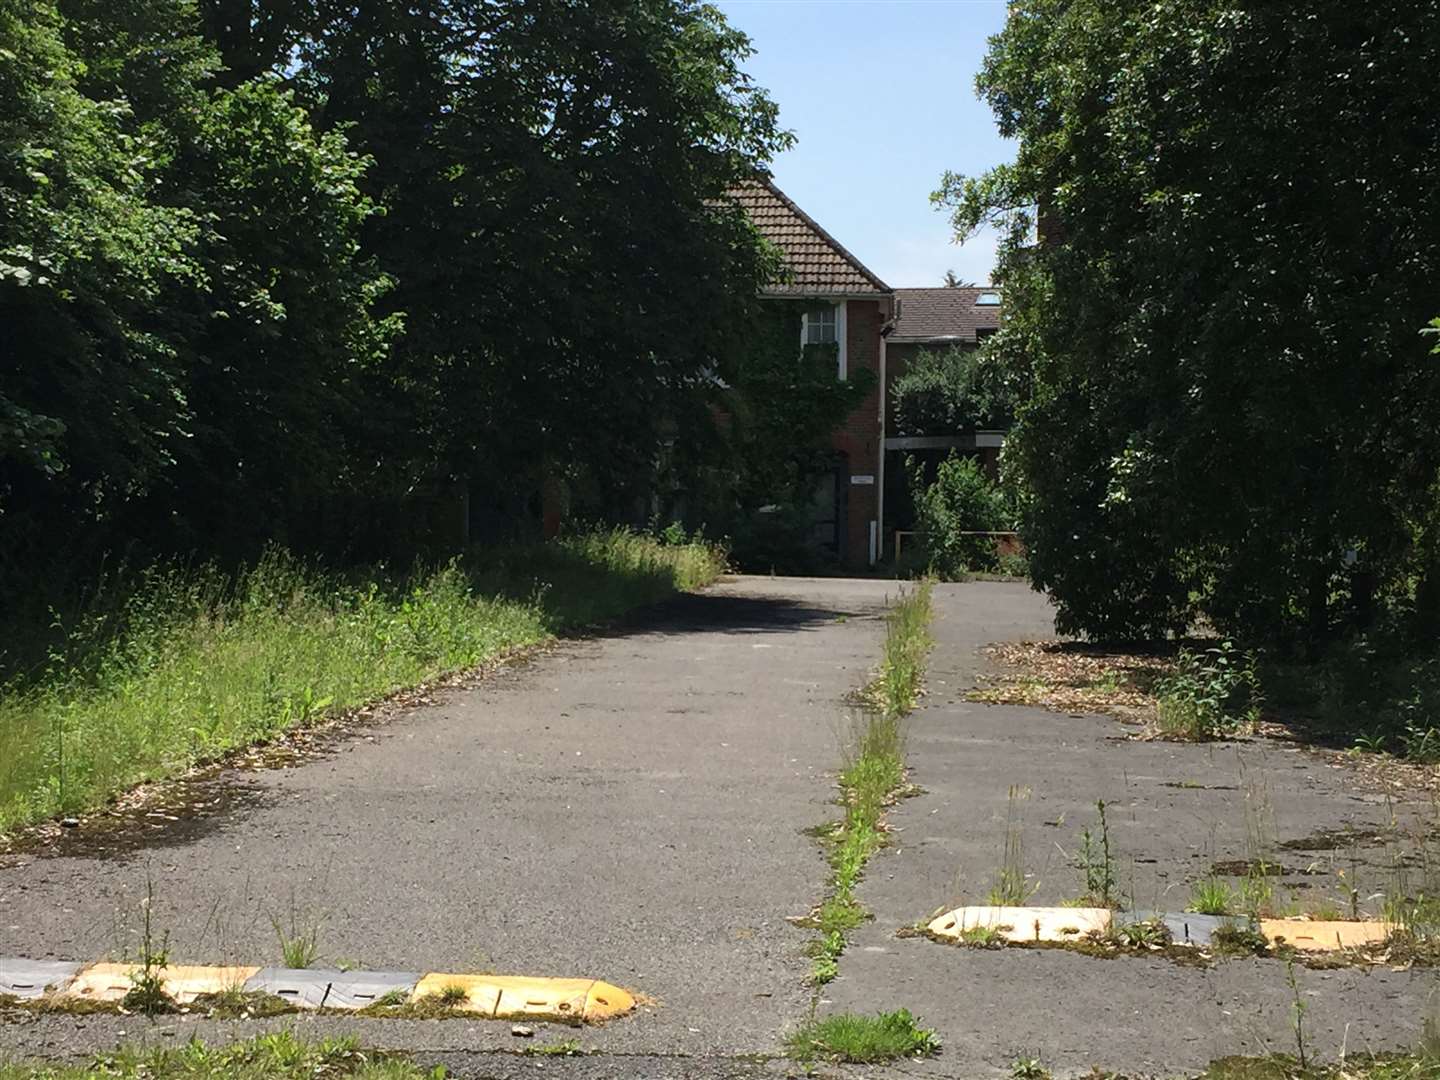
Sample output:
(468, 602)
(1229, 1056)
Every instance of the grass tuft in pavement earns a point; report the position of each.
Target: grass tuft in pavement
(863, 1039)
(163, 668)
(896, 689)
(280, 1056)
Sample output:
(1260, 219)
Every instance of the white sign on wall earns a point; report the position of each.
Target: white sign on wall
(863, 478)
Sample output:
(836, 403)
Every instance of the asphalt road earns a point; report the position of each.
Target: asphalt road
(1174, 810)
(629, 807)
(632, 807)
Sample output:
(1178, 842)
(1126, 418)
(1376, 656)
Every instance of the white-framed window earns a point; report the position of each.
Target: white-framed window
(820, 326)
(824, 324)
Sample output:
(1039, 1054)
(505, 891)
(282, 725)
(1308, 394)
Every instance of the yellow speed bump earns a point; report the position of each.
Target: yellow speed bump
(1023, 924)
(1320, 936)
(506, 997)
(182, 984)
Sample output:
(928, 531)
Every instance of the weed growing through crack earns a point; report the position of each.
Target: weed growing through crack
(1024, 1068)
(824, 953)
(452, 994)
(1235, 939)
(837, 915)
(1411, 900)
(983, 937)
(896, 688)
(1212, 896)
(1297, 1014)
(237, 1003)
(147, 982)
(873, 775)
(1011, 887)
(1209, 695)
(1149, 934)
(1257, 894)
(1096, 864)
(299, 944)
(859, 1039)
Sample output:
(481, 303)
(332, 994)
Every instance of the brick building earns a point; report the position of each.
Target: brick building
(878, 328)
(853, 309)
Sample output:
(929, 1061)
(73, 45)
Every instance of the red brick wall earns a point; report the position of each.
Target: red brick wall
(859, 439)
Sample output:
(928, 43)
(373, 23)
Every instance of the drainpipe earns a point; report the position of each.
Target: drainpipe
(880, 476)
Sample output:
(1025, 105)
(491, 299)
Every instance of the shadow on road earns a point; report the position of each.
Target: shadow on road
(721, 613)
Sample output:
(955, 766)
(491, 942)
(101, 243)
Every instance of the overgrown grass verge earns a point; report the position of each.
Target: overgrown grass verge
(280, 1056)
(873, 774)
(168, 667)
(863, 1039)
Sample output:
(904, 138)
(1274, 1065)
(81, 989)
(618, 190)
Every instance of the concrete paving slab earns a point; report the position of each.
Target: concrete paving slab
(311, 989)
(31, 979)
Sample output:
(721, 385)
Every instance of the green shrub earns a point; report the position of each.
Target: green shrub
(1210, 693)
(960, 389)
(961, 500)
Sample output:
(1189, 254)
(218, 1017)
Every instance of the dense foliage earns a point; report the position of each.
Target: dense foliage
(959, 502)
(269, 269)
(957, 390)
(754, 450)
(1228, 404)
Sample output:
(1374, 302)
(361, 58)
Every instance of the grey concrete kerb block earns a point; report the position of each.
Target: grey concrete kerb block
(313, 989)
(1186, 927)
(30, 979)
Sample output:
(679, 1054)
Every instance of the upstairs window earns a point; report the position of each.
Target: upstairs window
(988, 299)
(825, 325)
(820, 327)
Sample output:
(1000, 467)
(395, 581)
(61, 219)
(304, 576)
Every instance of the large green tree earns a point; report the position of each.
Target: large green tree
(267, 267)
(550, 173)
(92, 402)
(1230, 408)
(189, 327)
(959, 389)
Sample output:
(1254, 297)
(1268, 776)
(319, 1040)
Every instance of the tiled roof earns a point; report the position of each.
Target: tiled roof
(818, 264)
(943, 314)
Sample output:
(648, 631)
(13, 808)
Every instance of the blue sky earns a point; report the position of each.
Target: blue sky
(881, 94)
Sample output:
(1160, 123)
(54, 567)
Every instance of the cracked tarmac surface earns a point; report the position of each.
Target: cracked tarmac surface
(632, 807)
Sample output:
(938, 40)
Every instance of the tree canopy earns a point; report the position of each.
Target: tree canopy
(262, 260)
(1228, 405)
(959, 389)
